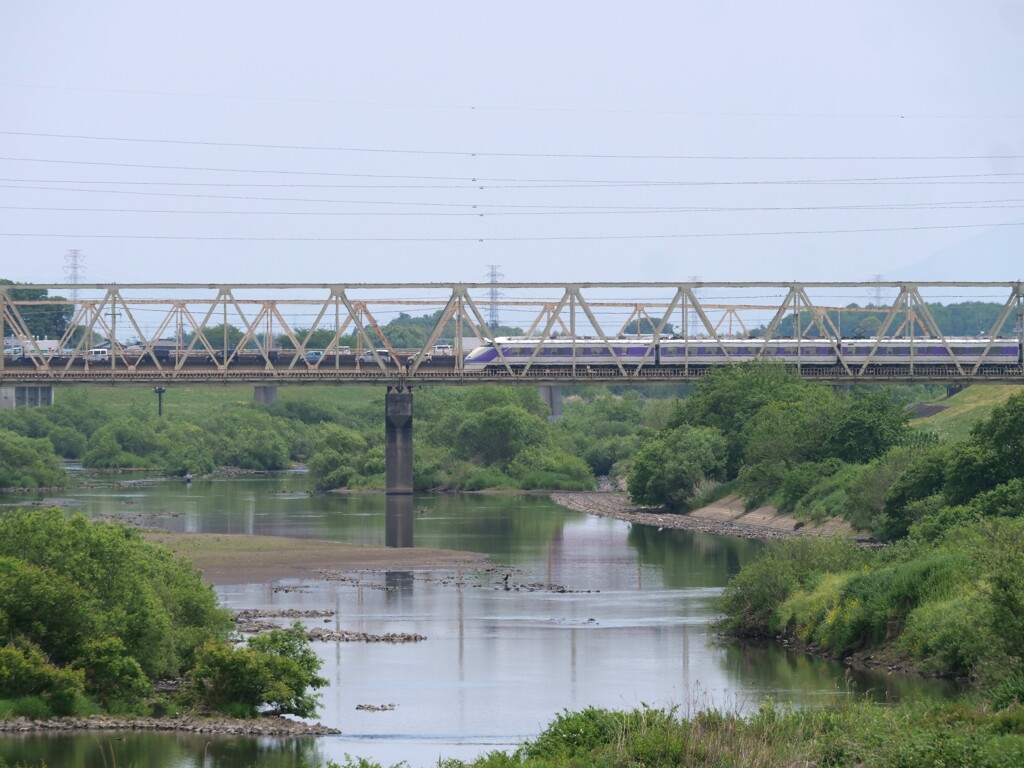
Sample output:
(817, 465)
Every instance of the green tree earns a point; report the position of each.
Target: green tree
(156, 605)
(497, 434)
(728, 399)
(336, 453)
(865, 425)
(667, 471)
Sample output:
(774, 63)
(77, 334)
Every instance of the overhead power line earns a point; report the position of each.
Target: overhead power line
(475, 208)
(489, 182)
(562, 238)
(474, 153)
(544, 210)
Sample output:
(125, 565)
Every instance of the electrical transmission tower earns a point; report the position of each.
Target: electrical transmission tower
(74, 269)
(494, 276)
(876, 295)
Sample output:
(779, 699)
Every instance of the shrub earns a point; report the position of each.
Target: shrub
(28, 462)
(668, 470)
(811, 615)
(111, 675)
(24, 671)
(753, 597)
(876, 603)
(275, 670)
(574, 734)
(753, 600)
(947, 636)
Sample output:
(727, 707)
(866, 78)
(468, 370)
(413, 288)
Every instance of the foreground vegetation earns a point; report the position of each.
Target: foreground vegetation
(91, 616)
(854, 733)
(946, 597)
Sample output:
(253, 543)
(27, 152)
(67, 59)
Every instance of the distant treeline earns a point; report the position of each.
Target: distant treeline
(968, 318)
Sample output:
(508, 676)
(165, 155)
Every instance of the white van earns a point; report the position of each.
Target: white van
(99, 355)
(367, 357)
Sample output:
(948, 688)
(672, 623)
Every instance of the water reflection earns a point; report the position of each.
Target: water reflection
(787, 675)
(399, 581)
(398, 520)
(159, 750)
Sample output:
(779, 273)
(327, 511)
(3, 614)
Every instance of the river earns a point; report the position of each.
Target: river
(593, 612)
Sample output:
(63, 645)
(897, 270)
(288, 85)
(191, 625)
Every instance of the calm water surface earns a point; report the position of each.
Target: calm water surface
(596, 613)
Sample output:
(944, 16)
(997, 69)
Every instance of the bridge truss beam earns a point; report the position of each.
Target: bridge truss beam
(339, 333)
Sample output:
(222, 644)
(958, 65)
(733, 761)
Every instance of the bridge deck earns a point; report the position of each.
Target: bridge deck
(430, 376)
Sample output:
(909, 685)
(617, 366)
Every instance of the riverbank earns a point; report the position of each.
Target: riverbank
(727, 517)
(221, 726)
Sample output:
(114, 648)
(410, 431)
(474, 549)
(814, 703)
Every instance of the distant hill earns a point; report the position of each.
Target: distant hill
(995, 254)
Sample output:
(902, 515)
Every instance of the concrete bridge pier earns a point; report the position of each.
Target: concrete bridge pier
(398, 466)
(264, 393)
(25, 396)
(552, 397)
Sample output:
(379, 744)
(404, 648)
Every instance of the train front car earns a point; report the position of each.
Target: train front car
(519, 353)
(480, 357)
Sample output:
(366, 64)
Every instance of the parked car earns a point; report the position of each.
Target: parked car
(314, 355)
(367, 356)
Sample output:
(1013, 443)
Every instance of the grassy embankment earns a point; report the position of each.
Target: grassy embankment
(964, 409)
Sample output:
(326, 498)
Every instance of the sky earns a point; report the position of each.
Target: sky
(338, 142)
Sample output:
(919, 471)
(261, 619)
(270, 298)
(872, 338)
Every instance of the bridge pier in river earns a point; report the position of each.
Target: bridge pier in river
(398, 466)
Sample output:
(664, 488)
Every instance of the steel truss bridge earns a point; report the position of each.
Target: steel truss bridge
(265, 334)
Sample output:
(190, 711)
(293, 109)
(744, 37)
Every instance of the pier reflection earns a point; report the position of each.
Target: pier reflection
(398, 520)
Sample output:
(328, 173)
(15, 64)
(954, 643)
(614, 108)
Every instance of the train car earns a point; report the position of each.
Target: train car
(903, 352)
(518, 352)
(676, 353)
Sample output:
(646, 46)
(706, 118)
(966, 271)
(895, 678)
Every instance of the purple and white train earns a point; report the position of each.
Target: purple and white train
(677, 353)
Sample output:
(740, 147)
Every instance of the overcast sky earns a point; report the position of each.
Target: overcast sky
(424, 141)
